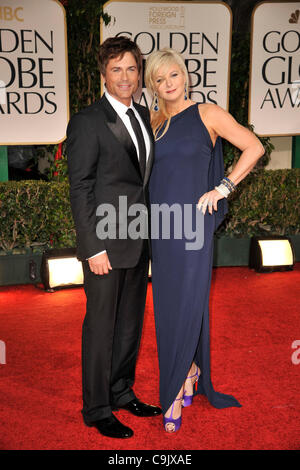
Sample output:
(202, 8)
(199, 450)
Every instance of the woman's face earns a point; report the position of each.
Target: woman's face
(169, 83)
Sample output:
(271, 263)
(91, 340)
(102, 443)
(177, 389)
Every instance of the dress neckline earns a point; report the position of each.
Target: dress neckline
(181, 112)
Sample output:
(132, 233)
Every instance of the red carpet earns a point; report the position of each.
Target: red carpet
(254, 321)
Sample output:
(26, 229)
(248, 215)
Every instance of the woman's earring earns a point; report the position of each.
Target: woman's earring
(155, 104)
(185, 93)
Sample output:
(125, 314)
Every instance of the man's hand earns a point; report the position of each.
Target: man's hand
(100, 264)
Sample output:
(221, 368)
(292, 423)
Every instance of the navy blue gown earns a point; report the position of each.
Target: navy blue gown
(186, 165)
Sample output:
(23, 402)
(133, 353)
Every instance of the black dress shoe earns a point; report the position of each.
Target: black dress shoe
(137, 408)
(112, 427)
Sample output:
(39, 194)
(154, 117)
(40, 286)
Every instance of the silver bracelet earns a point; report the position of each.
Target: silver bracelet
(223, 190)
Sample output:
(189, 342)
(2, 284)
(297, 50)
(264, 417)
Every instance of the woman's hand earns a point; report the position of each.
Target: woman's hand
(209, 200)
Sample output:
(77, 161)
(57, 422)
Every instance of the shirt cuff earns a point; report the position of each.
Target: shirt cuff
(101, 252)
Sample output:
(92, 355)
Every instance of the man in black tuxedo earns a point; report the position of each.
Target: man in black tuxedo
(110, 154)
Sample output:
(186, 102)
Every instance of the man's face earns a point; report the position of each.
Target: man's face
(121, 78)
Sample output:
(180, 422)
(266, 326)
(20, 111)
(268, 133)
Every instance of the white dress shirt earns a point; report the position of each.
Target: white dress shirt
(121, 110)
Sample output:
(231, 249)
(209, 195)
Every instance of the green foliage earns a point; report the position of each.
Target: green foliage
(58, 169)
(37, 214)
(266, 202)
(83, 20)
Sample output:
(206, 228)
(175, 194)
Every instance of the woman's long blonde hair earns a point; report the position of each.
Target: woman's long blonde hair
(157, 59)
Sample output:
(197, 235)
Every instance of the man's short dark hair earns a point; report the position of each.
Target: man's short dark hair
(117, 47)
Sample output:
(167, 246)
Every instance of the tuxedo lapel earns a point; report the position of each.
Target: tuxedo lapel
(119, 130)
(151, 154)
(149, 164)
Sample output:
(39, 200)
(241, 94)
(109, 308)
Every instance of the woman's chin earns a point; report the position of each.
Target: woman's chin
(173, 97)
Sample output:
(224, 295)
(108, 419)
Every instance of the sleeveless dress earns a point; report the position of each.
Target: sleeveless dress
(186, 165)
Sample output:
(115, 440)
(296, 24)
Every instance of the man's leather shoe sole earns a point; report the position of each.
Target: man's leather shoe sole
(138, 408)
(111, 427)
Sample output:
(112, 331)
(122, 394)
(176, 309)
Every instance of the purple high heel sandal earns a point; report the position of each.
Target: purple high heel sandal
(188, 399)
(171, 420)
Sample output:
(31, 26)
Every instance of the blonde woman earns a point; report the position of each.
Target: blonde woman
(188, 170)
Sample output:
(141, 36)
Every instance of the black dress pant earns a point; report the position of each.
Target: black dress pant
(111, 336)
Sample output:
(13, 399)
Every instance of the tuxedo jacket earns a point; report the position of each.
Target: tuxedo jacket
(103, 165)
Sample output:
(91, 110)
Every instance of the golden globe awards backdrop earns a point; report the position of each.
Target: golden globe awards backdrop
(34, 106)
(200, 31)
(274, 102)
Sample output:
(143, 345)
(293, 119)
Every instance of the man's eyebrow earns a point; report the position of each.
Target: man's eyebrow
(129, 67)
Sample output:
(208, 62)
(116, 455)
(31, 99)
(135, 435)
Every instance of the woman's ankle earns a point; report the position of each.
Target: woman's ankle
(193, 370)
(177, 405)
